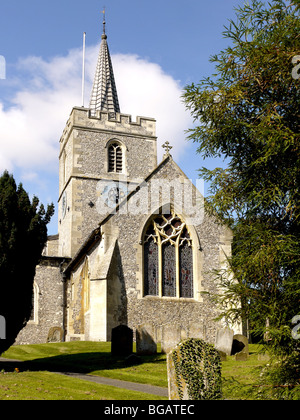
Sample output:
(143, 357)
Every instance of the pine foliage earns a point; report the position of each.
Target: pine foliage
(23, 234)
(248, 113)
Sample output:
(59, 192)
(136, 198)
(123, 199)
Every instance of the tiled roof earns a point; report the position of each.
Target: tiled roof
(104, 95)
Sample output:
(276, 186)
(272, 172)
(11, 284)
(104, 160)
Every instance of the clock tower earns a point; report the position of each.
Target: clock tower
(102, 152)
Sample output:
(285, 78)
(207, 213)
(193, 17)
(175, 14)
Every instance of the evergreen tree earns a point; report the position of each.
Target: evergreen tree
(248, 112)
(23, 234)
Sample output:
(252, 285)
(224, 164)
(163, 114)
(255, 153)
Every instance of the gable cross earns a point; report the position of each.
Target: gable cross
(167, 148)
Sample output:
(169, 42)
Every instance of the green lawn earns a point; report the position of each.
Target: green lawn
(240, 378)
(51, 386)
(36, 378)
(92, 358)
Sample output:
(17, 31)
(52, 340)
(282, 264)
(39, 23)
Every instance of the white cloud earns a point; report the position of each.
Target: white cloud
(32, 125)
(145, 90)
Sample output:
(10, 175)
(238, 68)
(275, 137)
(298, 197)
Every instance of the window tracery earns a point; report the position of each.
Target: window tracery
(168, 257)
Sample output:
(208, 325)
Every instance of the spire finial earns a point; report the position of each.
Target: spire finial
(104, 95)
(167, 148)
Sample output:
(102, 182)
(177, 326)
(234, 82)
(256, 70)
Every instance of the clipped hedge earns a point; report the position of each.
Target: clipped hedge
(199, 364)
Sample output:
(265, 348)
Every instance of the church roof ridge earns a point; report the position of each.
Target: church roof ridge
(104, 95)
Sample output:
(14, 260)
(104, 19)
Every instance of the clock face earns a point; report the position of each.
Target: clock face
(111, 194)
(64, 204)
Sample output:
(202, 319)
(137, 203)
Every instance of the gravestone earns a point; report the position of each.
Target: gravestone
(2, 328)
(173, 388)
(55, 335)
(145, 339)
(194, 371)
(241, 357)
(170, 337)
(240, 347)
(121, 341)
(224, 339)
(197, 330)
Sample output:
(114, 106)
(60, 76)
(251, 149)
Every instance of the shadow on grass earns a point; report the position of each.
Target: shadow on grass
(80, 362)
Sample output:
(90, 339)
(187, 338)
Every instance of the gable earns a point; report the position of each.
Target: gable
(165, 187)
(166, 184)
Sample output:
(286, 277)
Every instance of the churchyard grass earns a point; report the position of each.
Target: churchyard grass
(240, 378)
(51, 386)
(37, 380)
(92, 358)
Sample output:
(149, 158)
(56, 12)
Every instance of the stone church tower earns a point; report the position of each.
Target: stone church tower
(128, 250)
(99, 146)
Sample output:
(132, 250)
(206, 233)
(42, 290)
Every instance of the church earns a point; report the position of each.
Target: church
(134, 244)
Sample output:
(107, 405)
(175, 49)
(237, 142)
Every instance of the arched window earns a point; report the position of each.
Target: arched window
(115, 158)
(168, 258)
(34, 303)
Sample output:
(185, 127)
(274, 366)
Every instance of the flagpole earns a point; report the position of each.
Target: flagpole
(83, 68)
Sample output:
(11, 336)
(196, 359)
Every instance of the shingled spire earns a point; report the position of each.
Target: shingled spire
(104, 95)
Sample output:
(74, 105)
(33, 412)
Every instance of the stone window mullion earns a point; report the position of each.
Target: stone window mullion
(174, 258)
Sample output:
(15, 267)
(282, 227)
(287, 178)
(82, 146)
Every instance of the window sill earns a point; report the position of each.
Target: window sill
(32, 322)
(170, 298)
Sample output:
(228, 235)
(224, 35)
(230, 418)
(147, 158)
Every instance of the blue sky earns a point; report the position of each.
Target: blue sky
(157, 48)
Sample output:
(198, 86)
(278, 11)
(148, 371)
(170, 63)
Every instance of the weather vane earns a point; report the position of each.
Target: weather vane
(167, 148)
(103, 12)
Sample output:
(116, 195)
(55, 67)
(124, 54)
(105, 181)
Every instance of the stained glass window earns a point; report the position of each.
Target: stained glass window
(32, 307)
(168, 258)
(168, 270)
(185, 270)
(151, 268)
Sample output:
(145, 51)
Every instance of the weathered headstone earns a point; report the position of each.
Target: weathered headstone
(241, 357)
(263, 356)
(224, 339)
(173, 387)
(184, 334)
(55, 335)
(2, 328)
(197, 330)
(194, 371)
(240, 347)
(170, 337)
(121, 341)
(145, 339)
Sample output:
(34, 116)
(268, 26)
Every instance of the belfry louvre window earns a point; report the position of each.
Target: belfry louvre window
(115, 158)
(168, 258)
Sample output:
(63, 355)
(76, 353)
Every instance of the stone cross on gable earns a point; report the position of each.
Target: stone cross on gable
(167, 148)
